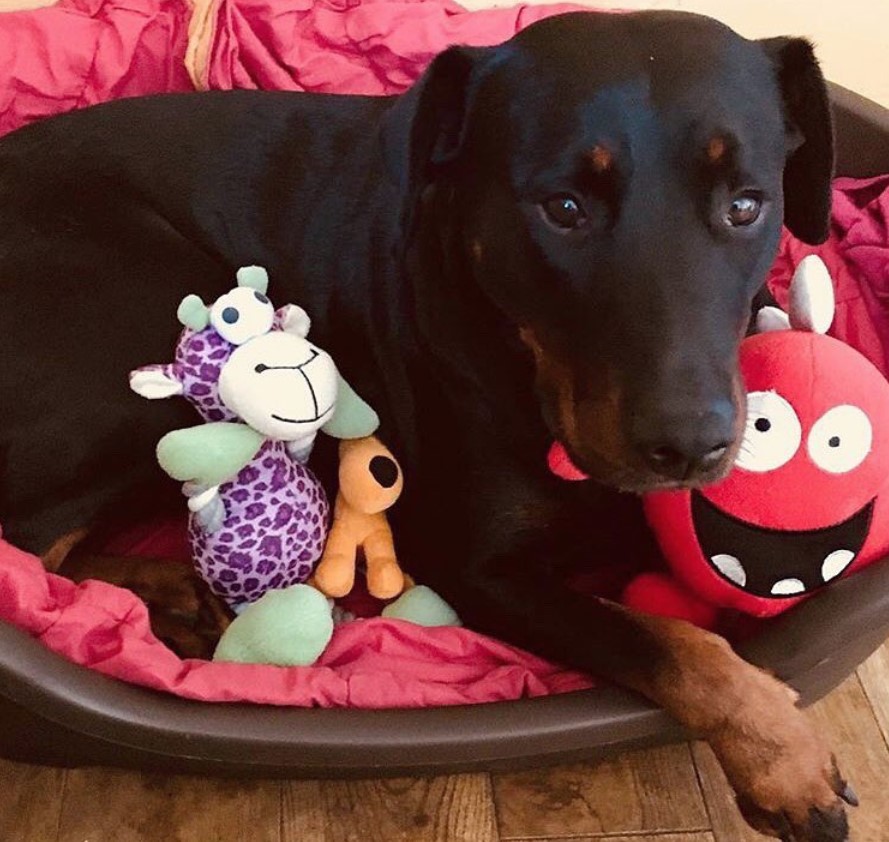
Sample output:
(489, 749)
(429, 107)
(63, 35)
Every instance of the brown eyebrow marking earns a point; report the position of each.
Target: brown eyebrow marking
(602, 159)
(716, 149)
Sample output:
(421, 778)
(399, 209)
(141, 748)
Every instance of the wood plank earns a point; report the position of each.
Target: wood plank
(639, 792)
(30, 801)
(302, 812)
(703, 836)
(874, 675)
(849, 725)
(724, 815)
(455, 808)
(110, 805)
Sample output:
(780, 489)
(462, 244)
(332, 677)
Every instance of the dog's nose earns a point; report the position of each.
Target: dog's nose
(675, 463)
(689, 445)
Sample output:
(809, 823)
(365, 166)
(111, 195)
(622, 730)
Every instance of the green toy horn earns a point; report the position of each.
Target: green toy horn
(255, 277)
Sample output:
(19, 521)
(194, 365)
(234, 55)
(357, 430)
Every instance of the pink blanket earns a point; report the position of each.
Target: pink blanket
(80, 52)
(85, 51)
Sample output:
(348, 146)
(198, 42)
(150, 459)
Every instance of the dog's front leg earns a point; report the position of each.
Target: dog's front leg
(784, 776)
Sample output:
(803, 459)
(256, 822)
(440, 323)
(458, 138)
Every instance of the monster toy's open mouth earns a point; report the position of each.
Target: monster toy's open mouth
(776, 563)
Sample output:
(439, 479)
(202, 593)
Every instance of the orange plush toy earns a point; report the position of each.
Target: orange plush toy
(370, 481)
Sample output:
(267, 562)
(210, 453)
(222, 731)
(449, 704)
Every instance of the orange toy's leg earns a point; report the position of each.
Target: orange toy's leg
(384, 576)
(335, 573)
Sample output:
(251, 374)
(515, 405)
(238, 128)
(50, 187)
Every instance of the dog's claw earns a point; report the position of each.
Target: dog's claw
(826, 823)
(829, 825)
(848, 795)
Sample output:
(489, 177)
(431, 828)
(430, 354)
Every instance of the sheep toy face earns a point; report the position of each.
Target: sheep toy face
(280, 384)
(239, 359)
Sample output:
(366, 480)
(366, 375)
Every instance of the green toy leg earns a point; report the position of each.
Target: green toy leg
(423, 606)
(288, 627)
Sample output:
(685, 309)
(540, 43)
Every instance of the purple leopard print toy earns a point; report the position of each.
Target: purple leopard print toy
(258, 515)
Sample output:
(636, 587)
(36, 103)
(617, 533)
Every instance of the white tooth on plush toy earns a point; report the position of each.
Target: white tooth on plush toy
(787, 587)
(731, 568)
(836, 563)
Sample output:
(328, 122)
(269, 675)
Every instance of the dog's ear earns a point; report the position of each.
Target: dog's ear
(425, 129)
(809, 168)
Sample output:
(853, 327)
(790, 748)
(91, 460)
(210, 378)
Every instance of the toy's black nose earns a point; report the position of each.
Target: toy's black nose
(687, 445)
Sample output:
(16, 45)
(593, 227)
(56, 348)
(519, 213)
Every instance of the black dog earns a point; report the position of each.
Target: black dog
(560, 236)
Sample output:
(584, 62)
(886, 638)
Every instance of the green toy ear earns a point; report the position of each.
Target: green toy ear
(255, 277)
(193, 313)
(353, 418)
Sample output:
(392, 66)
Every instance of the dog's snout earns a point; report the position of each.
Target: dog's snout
(676, 463)
(685, 446)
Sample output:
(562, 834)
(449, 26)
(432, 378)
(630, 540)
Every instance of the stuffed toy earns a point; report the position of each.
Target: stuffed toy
(370, 481)
(258, 515)
(806, 502)
(292, 626)
(285, 627)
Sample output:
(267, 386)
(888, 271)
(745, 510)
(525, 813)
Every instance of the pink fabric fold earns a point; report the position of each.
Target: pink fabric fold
(372, 663)
(857, 255)
(80, 52)
(354, 46)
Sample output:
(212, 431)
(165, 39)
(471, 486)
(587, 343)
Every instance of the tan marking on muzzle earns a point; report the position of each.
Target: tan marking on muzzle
(555, 376)
(595, 415)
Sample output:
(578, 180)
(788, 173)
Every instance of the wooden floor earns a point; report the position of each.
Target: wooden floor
(673, 794)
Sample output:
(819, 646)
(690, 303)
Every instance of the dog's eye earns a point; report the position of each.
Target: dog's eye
(563, 211)
(743, 210)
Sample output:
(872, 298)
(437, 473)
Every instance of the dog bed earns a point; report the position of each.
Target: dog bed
(398, 696)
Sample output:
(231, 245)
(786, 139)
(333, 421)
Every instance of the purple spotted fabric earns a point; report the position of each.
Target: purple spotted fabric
(276, 510)
(274, 530)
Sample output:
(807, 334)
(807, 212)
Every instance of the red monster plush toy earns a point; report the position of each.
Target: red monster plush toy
(808, 498)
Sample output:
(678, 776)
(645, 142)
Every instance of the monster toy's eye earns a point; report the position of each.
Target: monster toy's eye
(840, 439)
(773, 433)
(241, 315)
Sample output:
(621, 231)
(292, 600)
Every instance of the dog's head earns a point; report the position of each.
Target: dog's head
(614, 187)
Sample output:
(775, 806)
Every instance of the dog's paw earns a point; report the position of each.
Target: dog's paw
(785, 778)
(821, 825)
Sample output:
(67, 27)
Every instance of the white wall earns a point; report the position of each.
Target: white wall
(851, 36)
